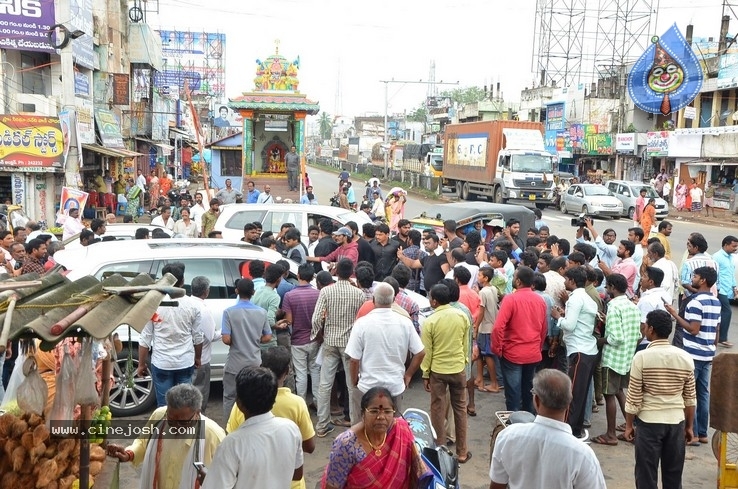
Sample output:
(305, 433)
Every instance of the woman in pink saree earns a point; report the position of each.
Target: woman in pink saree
(376, 453)
(681, 195)
(396, 202)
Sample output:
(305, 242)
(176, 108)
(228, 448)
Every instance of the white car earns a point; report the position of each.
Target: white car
(233, 217)
(121, 232)
(592, 200)
(221, 261)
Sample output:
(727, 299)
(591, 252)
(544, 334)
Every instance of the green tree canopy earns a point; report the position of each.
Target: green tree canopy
(466, 95)
(325, 126)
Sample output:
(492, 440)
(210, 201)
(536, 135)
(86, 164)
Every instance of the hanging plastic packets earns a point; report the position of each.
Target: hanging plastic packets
(63, 407)
(85, 391)
(33, 392)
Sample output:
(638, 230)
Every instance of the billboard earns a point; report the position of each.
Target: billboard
(195, 60)
(24, 24)
(29, 141)
(468, 149)
(83, 49)
(555, 116)
(109, 127)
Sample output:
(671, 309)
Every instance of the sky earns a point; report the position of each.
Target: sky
(346, 47)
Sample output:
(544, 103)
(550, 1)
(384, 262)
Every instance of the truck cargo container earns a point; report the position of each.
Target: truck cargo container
(504, 161)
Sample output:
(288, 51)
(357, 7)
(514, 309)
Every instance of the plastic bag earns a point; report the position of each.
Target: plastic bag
(10, 400)
(84, 389)
(33, 391)
(63, 407)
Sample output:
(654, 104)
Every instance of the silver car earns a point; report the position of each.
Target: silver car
(628, 193)
(592, 200)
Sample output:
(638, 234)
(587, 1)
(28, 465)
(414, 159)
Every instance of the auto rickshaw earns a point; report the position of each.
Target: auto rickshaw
(12, 216)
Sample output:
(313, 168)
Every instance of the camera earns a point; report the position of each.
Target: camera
(581, 221)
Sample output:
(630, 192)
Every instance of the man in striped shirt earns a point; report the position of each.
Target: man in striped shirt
(701, 323)
(661, 402)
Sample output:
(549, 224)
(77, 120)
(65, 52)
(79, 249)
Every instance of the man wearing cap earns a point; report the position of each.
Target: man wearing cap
(72, 224)
(346, 248)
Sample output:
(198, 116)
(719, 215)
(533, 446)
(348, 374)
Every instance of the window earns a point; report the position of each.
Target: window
(128, 269)
(212, 268)
(230, 163)
(274, 220)
(239, 219)
(34, 71)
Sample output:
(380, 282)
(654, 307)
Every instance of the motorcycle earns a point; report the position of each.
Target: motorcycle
(439, 459)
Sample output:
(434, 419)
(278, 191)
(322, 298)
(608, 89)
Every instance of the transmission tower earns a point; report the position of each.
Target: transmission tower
(558, 44)
(623, 30)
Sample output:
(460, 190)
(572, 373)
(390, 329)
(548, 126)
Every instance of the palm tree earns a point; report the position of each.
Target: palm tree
(326, 126)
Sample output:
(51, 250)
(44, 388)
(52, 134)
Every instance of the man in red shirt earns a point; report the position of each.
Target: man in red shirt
(467, 296)
(517, 338)
(346, 248)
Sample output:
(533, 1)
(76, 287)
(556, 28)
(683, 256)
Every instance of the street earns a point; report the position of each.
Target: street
(617, 461)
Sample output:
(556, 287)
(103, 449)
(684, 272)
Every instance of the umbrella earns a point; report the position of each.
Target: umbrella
(397, 189)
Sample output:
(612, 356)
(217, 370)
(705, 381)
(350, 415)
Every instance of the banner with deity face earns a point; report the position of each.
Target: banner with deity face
(667, 76)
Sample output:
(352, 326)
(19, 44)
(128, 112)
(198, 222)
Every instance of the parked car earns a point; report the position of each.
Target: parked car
(233, 217)
(122, 232)
(628, 192)
(592, 200)
(221, 261)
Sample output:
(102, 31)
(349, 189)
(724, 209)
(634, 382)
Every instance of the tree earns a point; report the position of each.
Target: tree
(419, 114)
(325, 125)
(468, 95)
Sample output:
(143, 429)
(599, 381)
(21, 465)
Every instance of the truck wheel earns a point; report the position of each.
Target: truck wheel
(541, 206)
(463, 190)
(469, 195)
(498, 196)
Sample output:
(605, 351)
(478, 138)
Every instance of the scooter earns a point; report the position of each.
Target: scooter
(439, 459)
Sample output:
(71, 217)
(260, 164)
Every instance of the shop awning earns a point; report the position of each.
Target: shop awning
(712, 163)
(114, 152)
(161, 145)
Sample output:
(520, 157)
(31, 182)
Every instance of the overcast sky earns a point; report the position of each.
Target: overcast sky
(474, 42)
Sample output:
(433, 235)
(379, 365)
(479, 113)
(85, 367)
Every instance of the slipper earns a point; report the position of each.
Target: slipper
(468, 457)
(620, 427)
(704, 439)
(487, 389)
(621, 437)
(695, 443)
(595, 409)
(726, 344)
(471, 412)
(601, 440)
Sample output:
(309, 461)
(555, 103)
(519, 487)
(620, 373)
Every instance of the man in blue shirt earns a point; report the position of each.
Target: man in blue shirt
(606, 249)
(308, 197)
(252, 194)
(726, 285)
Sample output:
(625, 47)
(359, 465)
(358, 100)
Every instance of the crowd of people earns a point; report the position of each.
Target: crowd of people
(560, 327)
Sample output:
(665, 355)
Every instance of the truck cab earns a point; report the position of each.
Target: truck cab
(524, 169)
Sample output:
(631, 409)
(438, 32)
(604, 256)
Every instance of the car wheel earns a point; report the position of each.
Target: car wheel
(563, 207)
(130, 395)
(631, 213)
(585, 209)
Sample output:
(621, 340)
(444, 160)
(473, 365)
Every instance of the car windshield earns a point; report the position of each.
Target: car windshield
(437, 162)
(531, 163)
(650, 192)
(596, 190)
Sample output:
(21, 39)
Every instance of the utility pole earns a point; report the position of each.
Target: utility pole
(386, 106)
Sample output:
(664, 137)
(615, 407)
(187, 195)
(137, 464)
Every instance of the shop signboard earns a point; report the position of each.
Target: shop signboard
(657, 143)
(596, 142)
(625, 143)
(19, 188)
(121, 88)
(555, 116)
(83, 48)
(29, 141)
(109, 127)
(24, 25)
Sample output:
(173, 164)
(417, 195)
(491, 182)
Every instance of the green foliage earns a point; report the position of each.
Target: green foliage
(466, 95)
(420, 114)
(325, 126)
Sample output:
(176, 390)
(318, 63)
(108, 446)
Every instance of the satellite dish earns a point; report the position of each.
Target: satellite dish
(735, 116)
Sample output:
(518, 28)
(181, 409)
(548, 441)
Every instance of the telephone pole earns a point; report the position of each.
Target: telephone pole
(431, 83)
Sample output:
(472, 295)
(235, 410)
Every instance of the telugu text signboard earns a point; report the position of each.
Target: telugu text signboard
(109, 127)
(29, 141)
(24, 24)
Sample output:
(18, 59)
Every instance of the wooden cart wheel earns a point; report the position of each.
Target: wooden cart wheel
(731, 452)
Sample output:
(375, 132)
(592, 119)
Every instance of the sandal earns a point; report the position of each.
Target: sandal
(468, 457)
(471, 412)
(620, 427)
(726, 344)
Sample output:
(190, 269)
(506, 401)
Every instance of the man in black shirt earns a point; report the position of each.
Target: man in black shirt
(403, 227)
(385, 252)
(449, 229)
(435, 267)
(325, 245)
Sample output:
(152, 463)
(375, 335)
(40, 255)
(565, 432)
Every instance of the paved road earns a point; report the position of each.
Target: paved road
(617, 462)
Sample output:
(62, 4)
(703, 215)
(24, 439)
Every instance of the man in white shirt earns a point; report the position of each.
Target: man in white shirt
(164, 219)
(656, 258)
(72, 224)
(653, 297)
(141, 183)
(210, 332)
(265, 451)
(377, 354)
(228, 195)
(266, 196)
(552, 456)
(197, 210)
(607, 251)
(176, 341)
